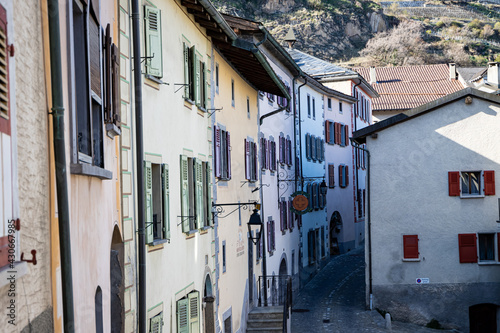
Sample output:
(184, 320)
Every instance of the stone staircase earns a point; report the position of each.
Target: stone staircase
(267, 319)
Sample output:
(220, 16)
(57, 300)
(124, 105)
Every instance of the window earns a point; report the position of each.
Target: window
(471, 183)
(188, 310)
(195, 75)
(248, 108)
(288, 151)
(152, 27)
(217, 78)
(272, 154)
(250, 160)
(308, 146)
(343, 175)
(282, 148)
(222, 161)
(156, 184)
(270, 98)
(156, 323)
(308, 106)
(195, 194)
(331, 175)
(330, 132)
(312, 149)
(223, 256)
(340, 107)
(314, 108)
(264, 154)
(283, 215)
(232, 93)
(329, 104)
(410, 247)
(271, 240)
(486, 247)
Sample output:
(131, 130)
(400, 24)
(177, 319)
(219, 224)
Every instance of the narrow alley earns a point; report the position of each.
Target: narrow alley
(333, 301)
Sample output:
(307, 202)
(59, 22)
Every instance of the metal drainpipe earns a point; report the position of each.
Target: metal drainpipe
(141, 225)
(300, 136)
(355, 129)
(369, 221)
(60, 166)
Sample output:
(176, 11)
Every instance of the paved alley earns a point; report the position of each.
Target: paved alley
(333, 301)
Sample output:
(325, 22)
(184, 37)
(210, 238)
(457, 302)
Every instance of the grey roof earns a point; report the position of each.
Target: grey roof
(317, 67)
(360, 135)
(471, 73)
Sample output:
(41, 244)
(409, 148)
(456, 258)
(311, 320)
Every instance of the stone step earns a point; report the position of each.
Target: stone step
(267, 312)
(265, 323)
(264, 330)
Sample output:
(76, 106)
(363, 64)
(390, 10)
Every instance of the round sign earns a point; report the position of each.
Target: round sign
(300, 202)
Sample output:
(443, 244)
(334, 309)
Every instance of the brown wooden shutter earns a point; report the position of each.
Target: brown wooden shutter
(4, 74)
(331, 175)
(489, 182)
(107, 75)
(346, 175)
(467, 248)
(453, 183)
(327, 131)
(410, 246)
(95, 57)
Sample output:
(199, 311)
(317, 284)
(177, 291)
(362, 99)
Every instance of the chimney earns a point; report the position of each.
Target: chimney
(373, 75)
(453, 71)
(290, 38)
(493, 74)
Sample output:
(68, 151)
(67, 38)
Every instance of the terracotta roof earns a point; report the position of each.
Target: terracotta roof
(402, 88)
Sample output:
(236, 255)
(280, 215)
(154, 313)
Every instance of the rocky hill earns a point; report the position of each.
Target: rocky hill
(354, 32)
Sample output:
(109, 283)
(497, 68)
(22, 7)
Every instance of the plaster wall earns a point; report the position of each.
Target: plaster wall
(382, 115)
(93, 203)
(174, 127)
(409, 195)
(232, 231)
(317, 218)
(287, 242)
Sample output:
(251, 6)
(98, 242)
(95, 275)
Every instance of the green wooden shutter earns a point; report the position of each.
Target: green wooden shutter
(186, 70)
(148, 191)
(195, 65)
(156, 323)
(205, 86)
(194, 317)
(182, 316)
(166, 201)
(184, 194)
(208, 195)
(154, 65)
(200, 216)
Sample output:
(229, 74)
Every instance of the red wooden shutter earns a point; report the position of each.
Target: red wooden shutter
(217, 148)
(346, 128)
(346, 175)
(489, 182)
(338, 133)
(331, 175)
(228, 149)
(467, 248)
(410, 246)
(453, 183)
(327, 131)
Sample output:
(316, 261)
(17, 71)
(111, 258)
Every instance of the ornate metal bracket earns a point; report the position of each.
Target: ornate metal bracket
(218, 209)
(213, 111)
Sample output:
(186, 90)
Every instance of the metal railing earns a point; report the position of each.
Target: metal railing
(280, 293)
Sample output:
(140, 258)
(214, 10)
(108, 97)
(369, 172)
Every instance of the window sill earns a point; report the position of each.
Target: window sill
(191, 232)
(488, 263)
(411, 260)
(154, 79)
(112, 130)
(159, 242)
(20, 269)
(187, 100)
(206, 228)
(472, 196)
(85, 169)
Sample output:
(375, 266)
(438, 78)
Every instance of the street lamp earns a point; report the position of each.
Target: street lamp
(255, 221)
(323, 188)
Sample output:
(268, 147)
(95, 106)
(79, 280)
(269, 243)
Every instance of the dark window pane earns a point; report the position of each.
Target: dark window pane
(97, 133)
(486, 247)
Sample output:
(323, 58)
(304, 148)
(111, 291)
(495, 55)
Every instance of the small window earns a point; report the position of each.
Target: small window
(250, 160)
(329, 104)
(410, 247)
(471, 183)
(340, 107)
(188, 313)
(156, 323)
(309, 106)
(486, 247)
(222, 147)
(248, 107)
(314, 107)
(157, 199)
(217, 78)
(232, 92)
(223, 256)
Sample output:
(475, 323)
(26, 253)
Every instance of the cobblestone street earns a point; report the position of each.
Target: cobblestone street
(333, 301)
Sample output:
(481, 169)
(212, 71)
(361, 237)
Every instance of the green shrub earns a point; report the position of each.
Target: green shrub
(497, 27)
(475, 24)
(434, 324)
(440, 24)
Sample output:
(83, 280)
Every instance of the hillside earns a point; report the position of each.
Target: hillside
(363, 32)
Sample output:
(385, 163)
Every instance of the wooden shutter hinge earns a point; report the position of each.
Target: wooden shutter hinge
(11, 50)
(33, 260)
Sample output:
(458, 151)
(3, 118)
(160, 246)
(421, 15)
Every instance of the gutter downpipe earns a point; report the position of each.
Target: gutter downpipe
(60, 166)
(300, 133)
(370, 273)
(141, 225)
(355, 129)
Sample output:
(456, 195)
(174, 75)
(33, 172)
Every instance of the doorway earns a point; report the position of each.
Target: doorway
(335, 227)
(208, 299)
(483, 318)
(283, 275)
(116, 284)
